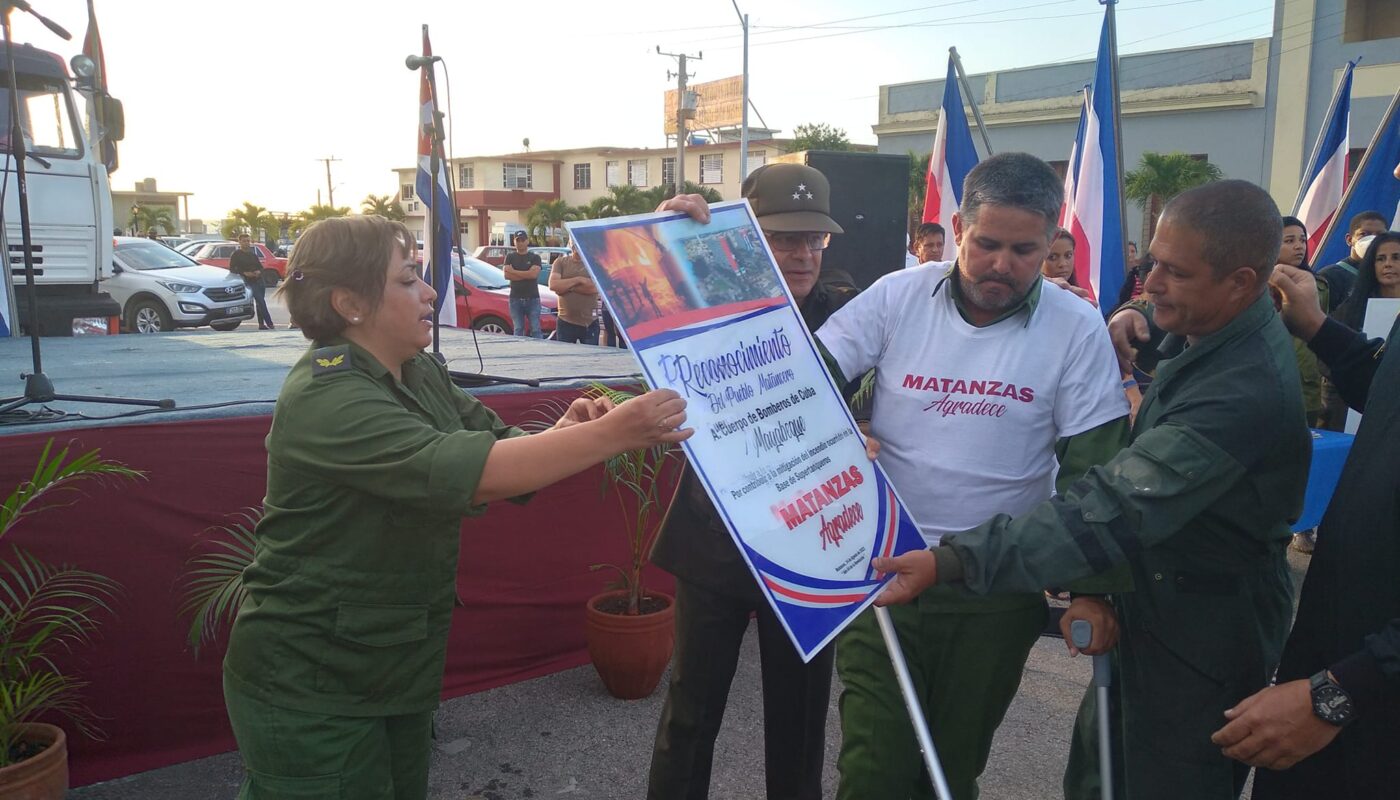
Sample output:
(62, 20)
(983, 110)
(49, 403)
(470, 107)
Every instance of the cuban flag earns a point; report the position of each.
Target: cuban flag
(1095, 216)
(953, 157)
(1373, 188)
(438, 232)
(1326, 177)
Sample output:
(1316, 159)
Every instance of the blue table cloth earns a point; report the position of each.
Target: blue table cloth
(1329, 453)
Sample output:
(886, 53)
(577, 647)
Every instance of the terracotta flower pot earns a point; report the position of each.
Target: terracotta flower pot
(630, 652)
(44, 776)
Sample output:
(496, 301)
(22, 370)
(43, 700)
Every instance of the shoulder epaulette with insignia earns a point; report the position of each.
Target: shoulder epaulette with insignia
(326, 360)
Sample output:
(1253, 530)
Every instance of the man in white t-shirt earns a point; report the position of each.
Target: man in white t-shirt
(989, 382)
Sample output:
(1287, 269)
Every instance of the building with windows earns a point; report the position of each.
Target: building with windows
(493, 191)
(1253, 108)
(146, 195)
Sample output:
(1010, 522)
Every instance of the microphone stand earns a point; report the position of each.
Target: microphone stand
(38, 388)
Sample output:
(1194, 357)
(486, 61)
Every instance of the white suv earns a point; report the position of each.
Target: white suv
(161, 290)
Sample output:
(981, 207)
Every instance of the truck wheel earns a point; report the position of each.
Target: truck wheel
(491, 325)
(226, 326)
(148, 316)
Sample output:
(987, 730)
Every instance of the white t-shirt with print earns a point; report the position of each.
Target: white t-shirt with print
(967, 418)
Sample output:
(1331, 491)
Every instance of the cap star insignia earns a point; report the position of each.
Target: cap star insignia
(809, 195)
(797, 195)
(327, 360)
(801, 187)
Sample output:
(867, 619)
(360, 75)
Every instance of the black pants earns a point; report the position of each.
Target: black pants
(709, 631)
(259, 292)
(570, 333)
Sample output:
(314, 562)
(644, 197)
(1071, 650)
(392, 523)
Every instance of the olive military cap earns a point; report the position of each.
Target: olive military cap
(790, 197)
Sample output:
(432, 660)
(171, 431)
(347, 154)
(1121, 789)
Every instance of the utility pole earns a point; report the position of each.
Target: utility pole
(685, 109)
(744, 118)
(330, 190)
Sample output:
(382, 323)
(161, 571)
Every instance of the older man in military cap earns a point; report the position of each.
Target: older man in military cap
(715, 593)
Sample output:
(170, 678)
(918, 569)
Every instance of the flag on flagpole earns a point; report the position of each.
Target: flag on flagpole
(1373, 188)
(1096, 215)
(1072, 166)
(952, 158)
(438, 232)
(1326, 176)
(92, 48)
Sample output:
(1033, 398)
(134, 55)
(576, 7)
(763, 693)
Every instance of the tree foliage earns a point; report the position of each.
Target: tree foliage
(316, 213)
(253, 220)
(151, 218)
(384, 205)
(1160, 177)
(819, 136)
(546, 217)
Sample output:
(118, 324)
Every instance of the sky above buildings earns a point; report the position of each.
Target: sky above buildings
(238, 101)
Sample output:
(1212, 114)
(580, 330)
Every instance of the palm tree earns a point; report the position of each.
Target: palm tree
(628, 199)
(151, 218)
(547, 216)
(316, 213)
(384, 205)
(656, 195)
(599, 208)
(256, 221)
(1159, 178)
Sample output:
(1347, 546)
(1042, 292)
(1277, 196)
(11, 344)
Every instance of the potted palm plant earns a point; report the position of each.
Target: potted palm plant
(44, 610)
(631, 629)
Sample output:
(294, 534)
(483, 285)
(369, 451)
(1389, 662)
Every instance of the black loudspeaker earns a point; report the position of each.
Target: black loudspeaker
(870, 200)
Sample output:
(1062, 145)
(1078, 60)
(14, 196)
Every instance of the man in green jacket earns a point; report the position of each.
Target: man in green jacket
(1197, 505)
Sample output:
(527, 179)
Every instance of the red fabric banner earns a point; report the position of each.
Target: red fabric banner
(523, 577)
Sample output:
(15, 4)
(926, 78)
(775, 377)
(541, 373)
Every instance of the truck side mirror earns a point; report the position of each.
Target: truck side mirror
(114, 117)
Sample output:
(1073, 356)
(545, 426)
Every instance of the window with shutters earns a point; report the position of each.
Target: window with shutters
(583, 176)
(637, 171)
(614, 173)
(712, 168)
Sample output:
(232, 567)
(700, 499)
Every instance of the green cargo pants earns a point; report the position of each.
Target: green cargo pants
(291, 755)
(966, 663)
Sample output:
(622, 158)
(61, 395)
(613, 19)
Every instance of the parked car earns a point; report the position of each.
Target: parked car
(161, 290)
(217, 254)
(174, 242)
(483, 298)
(493, 254)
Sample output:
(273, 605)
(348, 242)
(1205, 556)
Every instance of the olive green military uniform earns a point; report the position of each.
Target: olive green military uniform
(335, 661)
(715, 596)
(1198, 506)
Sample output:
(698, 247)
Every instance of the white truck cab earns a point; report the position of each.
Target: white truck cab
(70, 199)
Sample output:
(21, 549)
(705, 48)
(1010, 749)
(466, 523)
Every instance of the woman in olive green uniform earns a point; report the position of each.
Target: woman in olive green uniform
(335, 661)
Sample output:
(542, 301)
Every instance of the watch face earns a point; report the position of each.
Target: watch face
(1331, 704)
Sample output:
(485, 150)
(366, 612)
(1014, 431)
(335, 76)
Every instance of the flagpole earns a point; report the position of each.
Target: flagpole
(435, 140)
(1117, 122)
(1386, 121)
(1317, 144)
(967, 92)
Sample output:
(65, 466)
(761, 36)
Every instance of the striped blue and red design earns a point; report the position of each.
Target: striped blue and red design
(1096, 212)
(1327, 175)
(952, 158)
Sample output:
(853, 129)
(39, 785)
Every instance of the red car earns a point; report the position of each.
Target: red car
(217, 254)
(483, 298)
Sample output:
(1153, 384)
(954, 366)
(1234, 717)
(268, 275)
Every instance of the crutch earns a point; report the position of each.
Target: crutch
(1081, 633)
(911, 702)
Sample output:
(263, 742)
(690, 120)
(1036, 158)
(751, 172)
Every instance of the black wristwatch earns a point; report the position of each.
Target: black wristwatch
(1330, 702)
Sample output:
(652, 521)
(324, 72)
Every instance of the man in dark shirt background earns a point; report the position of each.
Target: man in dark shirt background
(245, 264)
(522, 269)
